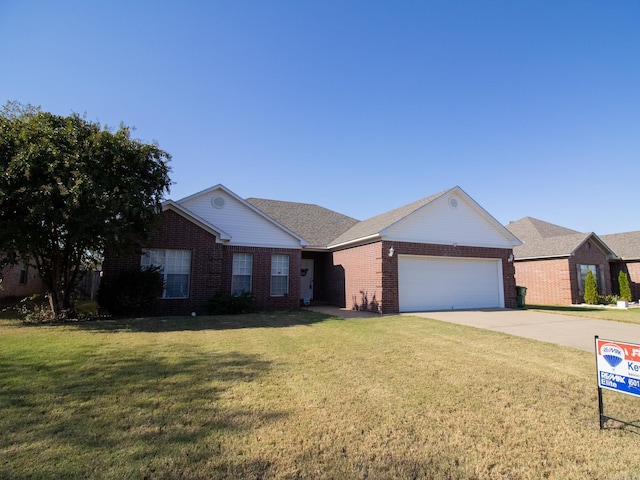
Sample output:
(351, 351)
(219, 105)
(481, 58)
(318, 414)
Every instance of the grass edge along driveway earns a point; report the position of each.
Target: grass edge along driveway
(301, 395)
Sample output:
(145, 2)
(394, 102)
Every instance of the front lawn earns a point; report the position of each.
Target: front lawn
(630, 315)
(301, 395)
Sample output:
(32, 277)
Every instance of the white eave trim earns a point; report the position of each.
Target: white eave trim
(545, 257)
(357, 241)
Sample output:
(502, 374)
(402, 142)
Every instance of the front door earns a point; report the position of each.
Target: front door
(306, 278)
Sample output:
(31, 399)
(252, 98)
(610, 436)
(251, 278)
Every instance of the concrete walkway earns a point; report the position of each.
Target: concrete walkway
(576, 332)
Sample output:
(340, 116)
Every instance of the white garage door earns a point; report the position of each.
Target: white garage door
(437, 283)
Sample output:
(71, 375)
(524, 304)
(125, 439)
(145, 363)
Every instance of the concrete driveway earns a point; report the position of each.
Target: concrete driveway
(566, 330)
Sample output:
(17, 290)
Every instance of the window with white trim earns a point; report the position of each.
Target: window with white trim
(242, 271)
(175, 266)
(279, 275)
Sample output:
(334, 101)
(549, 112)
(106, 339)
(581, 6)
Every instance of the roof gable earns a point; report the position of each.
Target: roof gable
(245, 224)
(448, 217)
(546, 240)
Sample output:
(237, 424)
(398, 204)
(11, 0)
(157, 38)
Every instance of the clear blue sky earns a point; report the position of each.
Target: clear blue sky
(533, 108)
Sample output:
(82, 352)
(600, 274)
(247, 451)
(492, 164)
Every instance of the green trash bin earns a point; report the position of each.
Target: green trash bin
(521, 292)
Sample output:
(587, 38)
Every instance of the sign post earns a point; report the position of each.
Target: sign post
(618, 365)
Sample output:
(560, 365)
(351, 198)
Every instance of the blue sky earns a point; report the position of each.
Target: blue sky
(532, 108)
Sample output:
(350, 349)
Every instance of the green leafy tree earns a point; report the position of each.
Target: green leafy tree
(70, 188)
(591, 289)
(131, 290)
(625, 288)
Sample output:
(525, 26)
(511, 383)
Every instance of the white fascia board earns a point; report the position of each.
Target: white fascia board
(357, 241)
(220, 234)
(547, 257)
(302, 241)
(264, 245)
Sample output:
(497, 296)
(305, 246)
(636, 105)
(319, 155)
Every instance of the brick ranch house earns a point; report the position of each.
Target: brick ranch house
(441, 252)
(553, 261)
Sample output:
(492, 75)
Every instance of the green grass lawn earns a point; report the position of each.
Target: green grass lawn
(630, 315)
(301, 395)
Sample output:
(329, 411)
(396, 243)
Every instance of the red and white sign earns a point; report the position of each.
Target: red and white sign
(618, 366)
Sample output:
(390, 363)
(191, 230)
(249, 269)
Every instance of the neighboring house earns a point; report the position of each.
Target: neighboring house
(20, 281)
(441, 252)
(627, 248)
(553, 262)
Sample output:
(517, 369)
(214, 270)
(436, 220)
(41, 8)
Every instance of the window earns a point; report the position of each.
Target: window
(175, 266)
(23, 274)
(582, 275)
(279, 275)
(241, 276)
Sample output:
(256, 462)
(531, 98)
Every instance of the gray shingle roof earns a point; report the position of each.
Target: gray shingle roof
(543, 239)
(626, 245)
(377, 224)
(530, 228)
(322, 227)
(317, 225)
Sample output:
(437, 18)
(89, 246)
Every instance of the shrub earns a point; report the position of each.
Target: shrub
(224, 303)
(591, 296)
(34, 309)
(625, 288)
(608, 299)
(131, 291)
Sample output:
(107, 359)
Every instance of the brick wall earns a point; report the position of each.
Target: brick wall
(548, 282)
(555, 281)
(370, 272)
(590, 254)
(11, 287)
(362, 267)
(633, 270)
(176, 232)
(211, 268)
(261, 276)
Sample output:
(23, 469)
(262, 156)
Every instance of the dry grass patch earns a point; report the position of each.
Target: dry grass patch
(300, 395)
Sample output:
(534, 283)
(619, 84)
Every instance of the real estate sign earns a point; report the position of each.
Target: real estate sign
(618, 366)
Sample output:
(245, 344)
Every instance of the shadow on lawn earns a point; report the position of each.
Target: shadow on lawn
(206, 322)
(128, 406)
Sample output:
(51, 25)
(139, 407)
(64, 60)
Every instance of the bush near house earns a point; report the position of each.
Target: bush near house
(625, 288)
(224, 303)
(131, 291)
(591, 296)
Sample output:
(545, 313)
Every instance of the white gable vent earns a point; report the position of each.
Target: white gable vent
(217, 202)
(453, 202)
